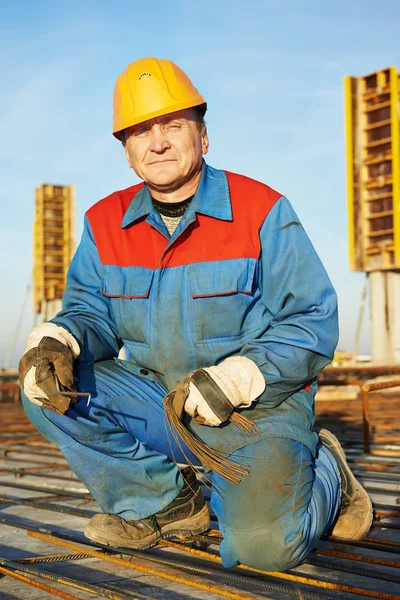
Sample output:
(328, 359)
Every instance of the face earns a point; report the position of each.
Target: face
(166, 152)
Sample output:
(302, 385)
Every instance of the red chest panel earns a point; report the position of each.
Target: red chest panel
(206, 239)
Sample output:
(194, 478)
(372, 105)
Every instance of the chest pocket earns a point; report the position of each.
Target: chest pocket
(129, 289)
(222, 299)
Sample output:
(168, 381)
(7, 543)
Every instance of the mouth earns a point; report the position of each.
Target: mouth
(160, 162)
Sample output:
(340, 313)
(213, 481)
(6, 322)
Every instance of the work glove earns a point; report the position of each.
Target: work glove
(215, 392)
(47, 365)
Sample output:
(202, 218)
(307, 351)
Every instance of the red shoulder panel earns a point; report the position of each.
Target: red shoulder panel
(206, 239)
(212, 239)
(139, 245)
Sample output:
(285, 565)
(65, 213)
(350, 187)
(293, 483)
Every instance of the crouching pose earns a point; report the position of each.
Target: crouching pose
(205, 276)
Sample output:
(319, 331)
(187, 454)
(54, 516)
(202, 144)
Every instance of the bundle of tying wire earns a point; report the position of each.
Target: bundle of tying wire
(231, 469)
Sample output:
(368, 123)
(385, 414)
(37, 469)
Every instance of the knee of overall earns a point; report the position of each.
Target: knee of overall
(273, 547)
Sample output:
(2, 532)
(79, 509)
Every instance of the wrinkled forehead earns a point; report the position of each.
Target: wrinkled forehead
(187, 114)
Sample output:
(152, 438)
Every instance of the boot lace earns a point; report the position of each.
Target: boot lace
(346, 500)
(154, 522)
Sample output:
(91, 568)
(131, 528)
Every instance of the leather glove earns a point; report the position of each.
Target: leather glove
(49, 356)
(215, 392)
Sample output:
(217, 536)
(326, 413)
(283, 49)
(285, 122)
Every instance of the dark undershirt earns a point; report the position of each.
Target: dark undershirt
(171, 212)
(172, 209)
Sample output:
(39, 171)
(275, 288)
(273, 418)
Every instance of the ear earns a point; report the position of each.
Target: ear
(204, 141)
(128, 158)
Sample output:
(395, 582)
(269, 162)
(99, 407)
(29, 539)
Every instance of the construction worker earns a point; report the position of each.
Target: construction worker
(206, 277)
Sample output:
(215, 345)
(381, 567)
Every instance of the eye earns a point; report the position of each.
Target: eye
(140, 132)
(172, 126)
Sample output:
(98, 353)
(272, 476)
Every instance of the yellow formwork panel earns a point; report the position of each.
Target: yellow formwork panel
(373, 170)
(348, 85)
(54, 241)
(395, 107)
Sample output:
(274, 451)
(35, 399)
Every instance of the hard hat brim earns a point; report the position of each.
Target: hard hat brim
(159, 113)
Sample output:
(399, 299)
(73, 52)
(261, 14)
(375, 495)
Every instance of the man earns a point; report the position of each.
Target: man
(208, 277)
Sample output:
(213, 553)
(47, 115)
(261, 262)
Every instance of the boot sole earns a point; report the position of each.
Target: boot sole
(194, 525)
(332, 443)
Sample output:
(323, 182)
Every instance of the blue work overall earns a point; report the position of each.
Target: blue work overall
(239, 276)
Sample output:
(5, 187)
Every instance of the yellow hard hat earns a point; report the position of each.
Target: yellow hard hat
(151, 87)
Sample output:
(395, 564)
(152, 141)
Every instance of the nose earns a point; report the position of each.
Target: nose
(159, 141)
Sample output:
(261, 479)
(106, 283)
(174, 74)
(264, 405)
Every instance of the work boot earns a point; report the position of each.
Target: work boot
(185, 516)
(355, 516)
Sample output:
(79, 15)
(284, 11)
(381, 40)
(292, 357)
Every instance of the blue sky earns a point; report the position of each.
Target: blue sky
(272, 74)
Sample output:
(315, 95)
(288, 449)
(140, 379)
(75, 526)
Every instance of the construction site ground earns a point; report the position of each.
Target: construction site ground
(44, 509)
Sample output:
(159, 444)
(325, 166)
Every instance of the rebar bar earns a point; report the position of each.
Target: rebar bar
(37, 584)
(74, 583)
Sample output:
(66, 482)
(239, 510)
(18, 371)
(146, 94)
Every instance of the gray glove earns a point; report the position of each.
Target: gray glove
(46, 369)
